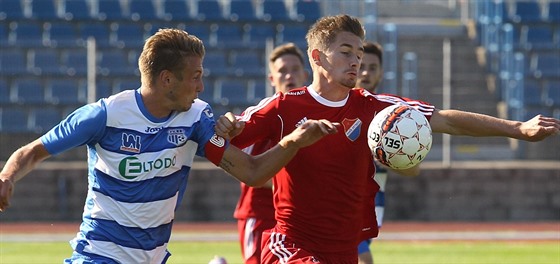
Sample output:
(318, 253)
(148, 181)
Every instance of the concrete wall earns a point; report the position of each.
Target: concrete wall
(480, 191)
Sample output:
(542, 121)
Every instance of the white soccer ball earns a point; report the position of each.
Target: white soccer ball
(218, 260)
(400, 137)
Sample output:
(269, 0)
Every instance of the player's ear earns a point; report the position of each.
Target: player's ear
(316, 56)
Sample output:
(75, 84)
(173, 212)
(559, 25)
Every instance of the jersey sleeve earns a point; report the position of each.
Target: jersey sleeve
(260, 121)
(424, 107)
(85, 125)
(210, 145)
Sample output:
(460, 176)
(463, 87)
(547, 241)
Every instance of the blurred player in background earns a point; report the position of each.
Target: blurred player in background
(141, 145)
(324, 196)
(255, 210)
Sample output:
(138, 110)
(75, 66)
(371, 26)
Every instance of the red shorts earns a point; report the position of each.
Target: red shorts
(250, 235)
(280, 249)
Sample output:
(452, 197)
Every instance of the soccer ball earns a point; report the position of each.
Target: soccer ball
(218, 260)
(399, 137)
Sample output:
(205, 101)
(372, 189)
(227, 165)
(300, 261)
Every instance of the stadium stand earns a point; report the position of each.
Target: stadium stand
(43, 10)
(29, 91)
(275, 11)
(242, 11)
(210, 10)
(11, 10)
(46, 61)
(176, 10)
(142, 10)
(76, 10)
(308, 10)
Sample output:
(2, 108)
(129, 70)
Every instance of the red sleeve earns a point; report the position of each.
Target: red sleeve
(260, 121)
(215, 148)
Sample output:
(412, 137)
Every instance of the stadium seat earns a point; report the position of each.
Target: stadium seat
(43, 9)
(247, 63)
(4, 92)
(110, 10)
(229, 35)
(76, 10)
(554, 11)
(13, 120)
(11, 10)
(130, 84)
(46, 61)
(13, 62)
(100, 31)
(209, 10)
(29, 91)
(66, 92)
(259, 32)
(142, 10)
(294, 33)
(275, 11)
(552, 91)
(233, 92)
(74, 62)
(201, 31)
(176, 10)
(114, 62)
(28, 33)
(537, 37)
(129, 35)
(547, 65)
(532, 93)
(62, 34)
(215, 64)
(526, 11)
(44, 118)
(308, 10)
(259, 92)
(208, 94)
(242, 11)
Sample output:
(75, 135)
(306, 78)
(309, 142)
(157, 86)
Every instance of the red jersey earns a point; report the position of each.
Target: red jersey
(324, 197)
(255, 202)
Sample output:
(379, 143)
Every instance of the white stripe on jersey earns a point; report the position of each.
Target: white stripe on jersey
(137, 214)
(277, 248)
(131, 255)
(252, 109)
(249, 246)
(424, 108)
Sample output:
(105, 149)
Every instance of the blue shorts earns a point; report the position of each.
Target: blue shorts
(363, 247)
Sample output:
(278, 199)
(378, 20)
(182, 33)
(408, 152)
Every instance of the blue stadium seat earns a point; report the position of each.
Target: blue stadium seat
(247, 63)
(215, 64)
(28, 33)
(201, 31)
(29, 91)
(45, 118)
(4, 92)
(552, 90)
(295, 33)
(259, 32)
(229, 35)
(46, 61)
(176, 10)
(308, 10)
(259, 92)
(100, 31)
(110, 10)
(11, 10)
(115, 62)
(142, 10)
(74, 62)
(233, 92)
(208, 94)
(553, 11)
(43, 9)
(548, 65)
(4, 33)
(129, 35)
(63, 34)
(13, 120)
(536, 37)
(130, 84)
(275, 11)
(66, 92)
(13, 62)
(242, 11)
(210, 10)
(526, 11)
(76, 10)
(532, 93)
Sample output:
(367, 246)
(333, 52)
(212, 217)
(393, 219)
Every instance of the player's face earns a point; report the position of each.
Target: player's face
(183, 91)
(343, 58)
(287, 73)
(370, 73)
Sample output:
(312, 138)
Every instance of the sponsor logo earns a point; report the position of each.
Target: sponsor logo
(130, 143)
(303, 120)
(132, 167)
(208, 113)
(218, 141)
(296, 93)
(352, 128)
(176, 136)
(152, 129)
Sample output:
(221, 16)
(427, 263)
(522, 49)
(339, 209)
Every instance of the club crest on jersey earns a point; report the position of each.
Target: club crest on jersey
(176, 136)
(352, 128)
(130, 143)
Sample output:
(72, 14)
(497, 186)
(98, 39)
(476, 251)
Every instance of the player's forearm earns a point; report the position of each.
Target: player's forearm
(23, 160)
(456, 122)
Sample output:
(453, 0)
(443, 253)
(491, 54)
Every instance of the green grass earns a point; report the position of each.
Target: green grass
(385, 252)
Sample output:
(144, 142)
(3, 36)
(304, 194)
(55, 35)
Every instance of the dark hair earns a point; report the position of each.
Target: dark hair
(375, 49)
(284, 49)
(166, 50)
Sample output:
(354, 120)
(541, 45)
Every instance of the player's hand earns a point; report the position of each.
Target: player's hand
(309, 132)
(227, 126)
(539, 128)
(6, 191)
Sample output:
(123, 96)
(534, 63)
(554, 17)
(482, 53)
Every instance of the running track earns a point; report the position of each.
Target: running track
(391, 231)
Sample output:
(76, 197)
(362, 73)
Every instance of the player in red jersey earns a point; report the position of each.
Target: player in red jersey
(323, 197)
(255, 211)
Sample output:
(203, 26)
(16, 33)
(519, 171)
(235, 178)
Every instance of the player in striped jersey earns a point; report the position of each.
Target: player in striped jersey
(141, 144)
(324, 197)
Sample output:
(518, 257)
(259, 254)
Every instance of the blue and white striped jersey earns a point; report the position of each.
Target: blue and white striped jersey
(138, 167)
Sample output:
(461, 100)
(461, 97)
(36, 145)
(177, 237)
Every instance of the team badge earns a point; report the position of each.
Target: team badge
(352, 128)
(176, 136)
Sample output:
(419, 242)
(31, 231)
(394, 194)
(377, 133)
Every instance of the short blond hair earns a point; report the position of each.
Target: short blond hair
(323, 33)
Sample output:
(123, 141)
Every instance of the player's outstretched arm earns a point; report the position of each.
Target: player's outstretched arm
(457, 122)
(257, 170)
(20, 163)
